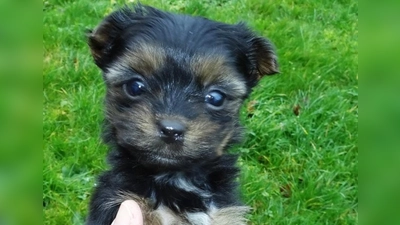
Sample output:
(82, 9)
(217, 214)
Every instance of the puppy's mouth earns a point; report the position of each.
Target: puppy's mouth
(164, 161)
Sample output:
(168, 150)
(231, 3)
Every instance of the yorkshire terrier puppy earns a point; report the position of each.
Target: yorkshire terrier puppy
(174, 87)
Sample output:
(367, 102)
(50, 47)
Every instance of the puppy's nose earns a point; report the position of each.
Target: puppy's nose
(171, 131)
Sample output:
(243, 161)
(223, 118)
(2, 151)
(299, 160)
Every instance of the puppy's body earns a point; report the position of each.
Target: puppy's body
(174, 88)
(190, 196)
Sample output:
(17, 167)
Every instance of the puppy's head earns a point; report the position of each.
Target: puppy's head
(175, 83)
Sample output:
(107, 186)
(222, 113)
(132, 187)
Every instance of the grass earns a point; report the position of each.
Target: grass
(300, 158)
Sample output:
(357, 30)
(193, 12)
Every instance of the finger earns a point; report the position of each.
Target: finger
(129, 213)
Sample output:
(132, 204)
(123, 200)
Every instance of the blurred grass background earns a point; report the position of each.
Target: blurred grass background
(300, 158)
(20, 112)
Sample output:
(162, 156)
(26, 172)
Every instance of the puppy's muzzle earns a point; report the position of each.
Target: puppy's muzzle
(171, 131)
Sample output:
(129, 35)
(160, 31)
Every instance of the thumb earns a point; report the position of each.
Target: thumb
(129, 213)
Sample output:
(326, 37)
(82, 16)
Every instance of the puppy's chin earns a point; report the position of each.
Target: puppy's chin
(158, 161)
(166, 163)
(163, 161)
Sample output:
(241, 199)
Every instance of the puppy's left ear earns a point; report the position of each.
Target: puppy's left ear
(262, 57)
(104, 40)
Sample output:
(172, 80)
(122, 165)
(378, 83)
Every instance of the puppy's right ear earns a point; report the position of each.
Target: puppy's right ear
(105, 41)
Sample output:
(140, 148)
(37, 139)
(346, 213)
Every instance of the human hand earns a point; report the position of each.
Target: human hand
(129, 213)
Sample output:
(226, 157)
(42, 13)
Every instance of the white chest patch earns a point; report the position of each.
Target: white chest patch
(234, 215)
(198, 218)
(167, 217)
(180, 182)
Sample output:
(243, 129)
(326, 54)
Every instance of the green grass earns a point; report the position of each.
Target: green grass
(296, 169)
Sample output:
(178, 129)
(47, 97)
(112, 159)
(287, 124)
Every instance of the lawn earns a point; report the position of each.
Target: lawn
(300, 157)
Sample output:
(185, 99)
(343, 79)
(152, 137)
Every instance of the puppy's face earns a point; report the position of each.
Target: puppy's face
(175, 83)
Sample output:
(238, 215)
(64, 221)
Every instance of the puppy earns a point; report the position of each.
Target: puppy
(174, 87)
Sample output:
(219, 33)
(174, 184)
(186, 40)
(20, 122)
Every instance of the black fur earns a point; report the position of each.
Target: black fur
(217, 178)
(128, 26)
(134, 153)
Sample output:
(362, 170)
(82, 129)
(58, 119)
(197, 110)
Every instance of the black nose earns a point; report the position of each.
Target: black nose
(171, 131)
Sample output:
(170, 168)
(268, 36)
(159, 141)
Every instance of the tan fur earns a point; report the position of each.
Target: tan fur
(144, 118)
(145, 59)
(115, 74)
(210, 68)
(222, 146)
(214, 69)
(230, 216)
(167, 217)
(234, 215)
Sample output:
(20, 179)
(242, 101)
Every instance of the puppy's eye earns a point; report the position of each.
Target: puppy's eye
(134, 88)
(215, 98)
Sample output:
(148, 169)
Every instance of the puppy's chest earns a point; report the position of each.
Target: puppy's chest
(181, 194)
(183, 201)
(167, 217)
(233, 215)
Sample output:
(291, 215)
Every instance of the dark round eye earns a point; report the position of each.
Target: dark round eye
(134, 88)
(215, 98)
